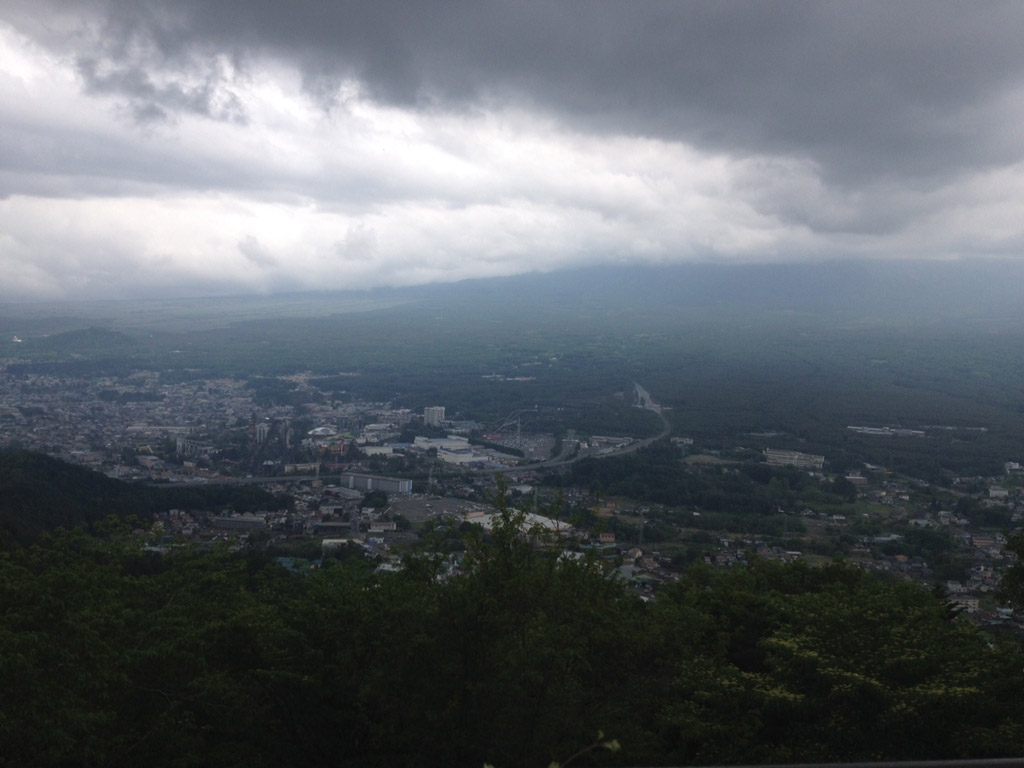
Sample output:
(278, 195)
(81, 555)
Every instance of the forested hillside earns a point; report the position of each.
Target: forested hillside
(39, 493)
(111, 656)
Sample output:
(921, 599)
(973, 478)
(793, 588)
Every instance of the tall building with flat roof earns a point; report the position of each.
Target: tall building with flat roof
(433, 415)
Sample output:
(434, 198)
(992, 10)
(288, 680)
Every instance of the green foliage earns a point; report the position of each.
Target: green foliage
(657, 474)
(376, 499)
(792, 664)
(844, 489)
(110, 655)
(39, 493)
(1011, 586)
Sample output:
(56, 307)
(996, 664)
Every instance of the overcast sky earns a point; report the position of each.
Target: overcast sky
(189, 147)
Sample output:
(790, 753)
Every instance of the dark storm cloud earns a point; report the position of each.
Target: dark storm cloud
(867, 89)
(260, 143)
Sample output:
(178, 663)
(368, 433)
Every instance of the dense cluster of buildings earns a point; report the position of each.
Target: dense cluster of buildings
(99, 420)
(144, 426)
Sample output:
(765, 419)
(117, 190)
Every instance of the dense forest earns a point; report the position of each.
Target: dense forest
(656, 474)
(40, 493)
(112, 655)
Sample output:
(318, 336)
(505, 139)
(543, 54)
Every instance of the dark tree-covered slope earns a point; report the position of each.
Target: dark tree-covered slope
(39, 493)
(114, 656)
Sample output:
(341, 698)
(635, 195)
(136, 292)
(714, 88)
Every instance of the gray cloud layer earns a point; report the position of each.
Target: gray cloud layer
(834, 121)
(863, 88)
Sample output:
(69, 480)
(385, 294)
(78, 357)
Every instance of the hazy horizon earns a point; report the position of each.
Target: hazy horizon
(943, 296)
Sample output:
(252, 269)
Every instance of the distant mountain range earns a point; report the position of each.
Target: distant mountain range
(880, 291)
(899, 289)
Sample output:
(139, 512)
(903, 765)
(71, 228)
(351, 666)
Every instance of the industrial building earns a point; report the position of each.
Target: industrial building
(375, 483)
(777, 458)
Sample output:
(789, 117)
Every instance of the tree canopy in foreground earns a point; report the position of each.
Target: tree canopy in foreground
(110, 655)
